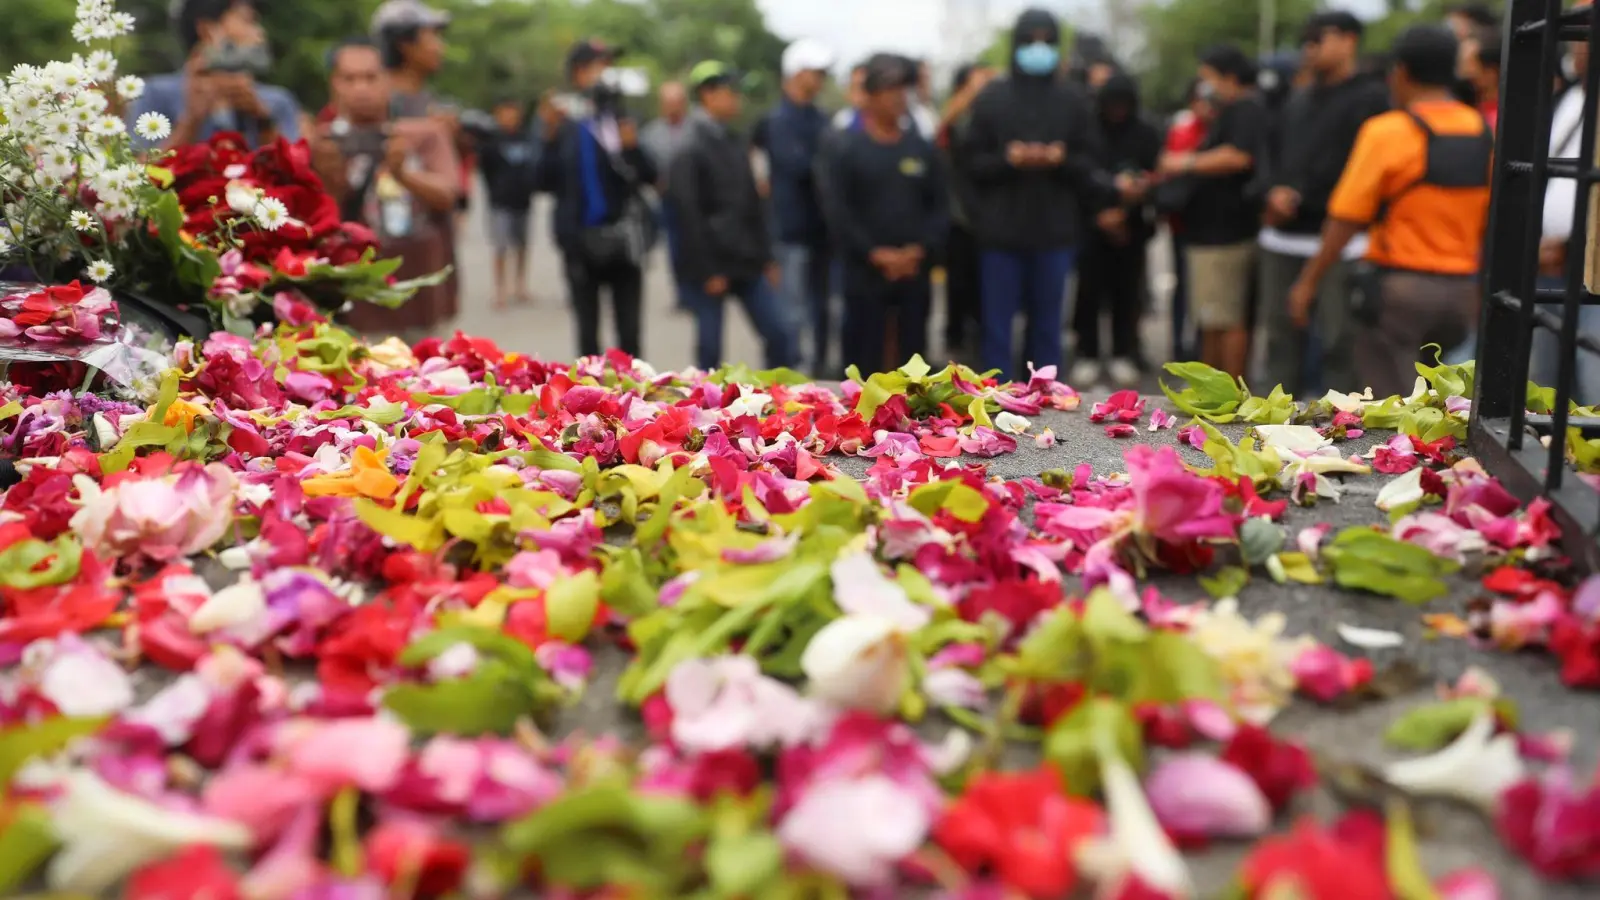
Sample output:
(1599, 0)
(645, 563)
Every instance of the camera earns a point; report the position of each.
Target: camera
(353, 141)
(229, 57)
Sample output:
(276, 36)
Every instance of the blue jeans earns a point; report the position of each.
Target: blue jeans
(772, 322)
(669, 231)
(807, 293)
(1034, 283)
(1543, 368)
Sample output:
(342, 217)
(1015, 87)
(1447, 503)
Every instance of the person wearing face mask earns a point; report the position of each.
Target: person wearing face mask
(1031, 152)
(217, 88)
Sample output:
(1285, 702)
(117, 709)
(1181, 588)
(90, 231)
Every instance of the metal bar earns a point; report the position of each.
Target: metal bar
(1583, 423)
(1543, 318)
(1577, 263)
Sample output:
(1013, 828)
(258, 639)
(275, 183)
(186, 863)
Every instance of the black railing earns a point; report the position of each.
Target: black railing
(1527, 451)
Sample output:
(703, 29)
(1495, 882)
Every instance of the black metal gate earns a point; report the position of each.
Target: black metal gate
(1505, 436)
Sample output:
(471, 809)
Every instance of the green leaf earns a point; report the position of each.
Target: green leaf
(624, 587)
(1259, 538)
(1228, 582)
(877, 390)
(741, 864)
(1105, 619)
(606, 835)
(1277, 408)
(489, 701)
(497, 644)
(1447, 380)
(20, 744)
(1072, 745)
(1293, 566)
(1404, 867)
(570, 605)
(963, 501)
(26, 841)
(344, 836)
(1175, 670)
(1369, 560)
(1435, 725)
(19, 563)
(425, 534)
(1211, 393)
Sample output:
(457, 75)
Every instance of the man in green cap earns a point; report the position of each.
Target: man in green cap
(724, 249)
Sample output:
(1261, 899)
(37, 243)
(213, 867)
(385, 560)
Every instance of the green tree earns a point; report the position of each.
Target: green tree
(1178, 31)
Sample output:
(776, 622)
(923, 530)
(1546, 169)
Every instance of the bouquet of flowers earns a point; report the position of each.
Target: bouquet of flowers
(213, 228)
(271, 226)
(74, 198)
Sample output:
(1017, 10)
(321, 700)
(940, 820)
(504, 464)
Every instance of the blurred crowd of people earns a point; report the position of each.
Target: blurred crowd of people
(1327, 208)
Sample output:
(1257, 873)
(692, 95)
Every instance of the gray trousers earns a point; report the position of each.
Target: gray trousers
(1289, 348)
(1417, 309)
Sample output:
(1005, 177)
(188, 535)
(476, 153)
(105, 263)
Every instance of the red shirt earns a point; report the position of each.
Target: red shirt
(1185, 135)
(1491, 113)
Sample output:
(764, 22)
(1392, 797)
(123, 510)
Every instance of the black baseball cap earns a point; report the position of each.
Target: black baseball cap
(590, 50)
(1337, 21)
(887, 71)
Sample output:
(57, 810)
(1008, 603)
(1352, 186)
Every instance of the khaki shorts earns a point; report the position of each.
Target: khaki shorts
(1219, 284)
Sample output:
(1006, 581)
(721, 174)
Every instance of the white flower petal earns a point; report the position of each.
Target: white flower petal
(1476, 768)
(1370, 638)
(1401, 490)
(857, 662)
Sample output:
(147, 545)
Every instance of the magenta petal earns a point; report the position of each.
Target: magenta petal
(1198, 794)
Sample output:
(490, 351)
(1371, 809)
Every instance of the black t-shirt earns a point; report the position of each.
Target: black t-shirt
(508, 162)
(1224, 209)
(887, 195)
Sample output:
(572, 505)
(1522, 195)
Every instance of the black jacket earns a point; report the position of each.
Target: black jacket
(1132, 145)
(1317, 130)
(1033, 209)
(721, 220)
(573, 166)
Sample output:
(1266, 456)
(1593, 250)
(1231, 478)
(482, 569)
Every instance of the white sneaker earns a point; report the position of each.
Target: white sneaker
(1124, 374)
(1085, 374)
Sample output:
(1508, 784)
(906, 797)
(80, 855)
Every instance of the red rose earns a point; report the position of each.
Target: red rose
(197, 871)
(415, 854)
(1280, 768)
(1321, 864)
(1022, 827)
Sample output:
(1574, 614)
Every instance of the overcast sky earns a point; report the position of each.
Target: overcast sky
(854, 28)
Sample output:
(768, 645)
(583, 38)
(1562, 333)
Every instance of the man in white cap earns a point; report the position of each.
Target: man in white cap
(411, 36)
(791, 135)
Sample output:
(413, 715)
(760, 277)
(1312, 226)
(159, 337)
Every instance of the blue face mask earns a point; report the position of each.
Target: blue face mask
(1038, 59)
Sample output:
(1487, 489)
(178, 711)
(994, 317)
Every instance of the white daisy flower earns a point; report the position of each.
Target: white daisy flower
(99, 271)
(66, 78)
(130, 87)
(82, 221)
(121, 23)
(83, 32)
(58, 127)
(93, 101)
(152, 126)
(107, 126)
(5, 244)
(101, 66)
(271, 214)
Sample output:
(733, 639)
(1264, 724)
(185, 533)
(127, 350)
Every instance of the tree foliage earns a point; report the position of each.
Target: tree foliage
(496, 47)
(1178, 31)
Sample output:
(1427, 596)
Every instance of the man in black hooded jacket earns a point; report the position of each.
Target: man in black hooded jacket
(1111, 277)
(1032, 152)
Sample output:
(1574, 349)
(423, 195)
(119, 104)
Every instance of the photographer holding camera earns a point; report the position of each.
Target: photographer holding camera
(397, 176)
(592, 163)
(217, 89)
